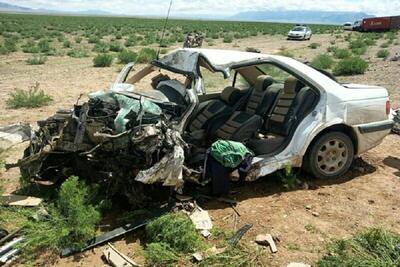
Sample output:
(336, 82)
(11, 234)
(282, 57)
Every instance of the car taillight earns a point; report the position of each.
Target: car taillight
(387, 107)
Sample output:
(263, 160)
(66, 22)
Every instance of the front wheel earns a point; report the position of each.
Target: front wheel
(330, 156)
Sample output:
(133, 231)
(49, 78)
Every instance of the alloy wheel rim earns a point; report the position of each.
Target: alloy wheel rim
(332, 156)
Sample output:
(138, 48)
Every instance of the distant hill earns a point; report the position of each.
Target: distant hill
(301, 16)
(13, 8)
(4, 7)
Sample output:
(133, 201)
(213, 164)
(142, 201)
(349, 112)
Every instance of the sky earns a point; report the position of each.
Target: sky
(212, 7)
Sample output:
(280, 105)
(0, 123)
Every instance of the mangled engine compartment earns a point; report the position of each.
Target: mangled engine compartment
(114, 140)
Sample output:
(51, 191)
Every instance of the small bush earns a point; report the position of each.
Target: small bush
(383, 53)
(341, 53)
(116, 47)
(44, 46)
(228, 39)
(78, 39)
(70, 223)
(36, 60)
(77, 53)
(30, 47)
(127, 56)
(102, 60)
(176, 230)
(322, 62)
(314, 45)
(159, 254)
(10, 44)
(66, 44)
(283, 51)
(31, 98)
(385, 45)
(375, 247)
(93, 39)
(101, 47)
(350, 66)
(359, 51)
(3, 50)
(146, 55)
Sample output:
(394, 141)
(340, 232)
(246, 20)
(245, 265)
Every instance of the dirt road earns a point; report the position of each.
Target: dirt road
(304, 219)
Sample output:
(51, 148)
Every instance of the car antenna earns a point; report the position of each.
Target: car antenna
(165, 27)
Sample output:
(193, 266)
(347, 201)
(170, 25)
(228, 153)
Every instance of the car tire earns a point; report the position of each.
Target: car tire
(309, 38)
(329, 156)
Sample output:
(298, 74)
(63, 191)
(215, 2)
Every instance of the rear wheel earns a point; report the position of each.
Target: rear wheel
(330, 156)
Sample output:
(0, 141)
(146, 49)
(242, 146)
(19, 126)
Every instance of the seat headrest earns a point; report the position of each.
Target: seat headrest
(292, 85)
(231, 95)
(262, 82)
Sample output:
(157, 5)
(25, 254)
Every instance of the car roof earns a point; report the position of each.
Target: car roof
(187, 61)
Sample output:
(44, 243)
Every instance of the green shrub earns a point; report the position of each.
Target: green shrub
(44, 46)
(383, 53)
(116, 47)
(358, 43)
(163, 51)
(176, 230)
(102, 60)
(101, 47)
(77, 53)
(322, 61)
(3, 50)
(78, 39)
(341, 53)
(70, 223)
(350, 66)
(146, 55)
(375, 247)
(67, 44)
(283, 51)
(331, 49)
(314, 45)
(93, 39)
(385, 45)
(10, 44)
(160, 254)
(36, 60)
(359, 51)
(30, 47)
(31, 98)
(228, 38)
(127, 56)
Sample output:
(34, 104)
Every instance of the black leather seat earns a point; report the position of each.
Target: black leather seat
(293, 104)
(210, 109)
(243, 125)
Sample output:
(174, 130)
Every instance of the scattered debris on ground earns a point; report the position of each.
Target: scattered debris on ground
(18, 200)
(396, 119)
(116, 258)
(239, 234)
(14, 134)
(267, 240)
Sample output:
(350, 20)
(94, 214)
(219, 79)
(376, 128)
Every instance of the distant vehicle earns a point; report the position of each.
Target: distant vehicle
(300, 33)
(377, 24)
(348, 26)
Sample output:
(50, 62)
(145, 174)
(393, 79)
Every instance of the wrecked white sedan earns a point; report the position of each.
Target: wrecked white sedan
(157, 125)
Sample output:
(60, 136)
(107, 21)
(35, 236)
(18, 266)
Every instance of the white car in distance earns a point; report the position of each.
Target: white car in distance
(300, 33)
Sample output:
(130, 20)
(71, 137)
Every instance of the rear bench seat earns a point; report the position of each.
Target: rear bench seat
(243, 125)
(210, 109)
(292, 106)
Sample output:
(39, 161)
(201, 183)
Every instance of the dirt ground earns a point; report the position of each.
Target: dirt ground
(305, 220)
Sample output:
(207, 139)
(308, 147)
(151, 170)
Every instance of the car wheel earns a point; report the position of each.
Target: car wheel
(309, 38)
(330, 156)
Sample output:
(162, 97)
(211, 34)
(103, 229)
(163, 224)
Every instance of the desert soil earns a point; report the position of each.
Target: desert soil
(305, 220)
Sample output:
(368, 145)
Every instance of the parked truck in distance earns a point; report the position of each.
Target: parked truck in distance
(377, 24)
